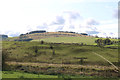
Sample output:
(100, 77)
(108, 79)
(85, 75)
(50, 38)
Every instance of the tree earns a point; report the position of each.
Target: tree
(107, 41)
(53, 52)
(51, 47)
(81, 44)
(100, 42)
(36, 49)
(42, 42)
(96, 36)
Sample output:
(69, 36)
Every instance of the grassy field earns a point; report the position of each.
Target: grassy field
(13, 74)
(22, 75)
(65, 53)
(54, 59)
(85, 40)
(16, 74)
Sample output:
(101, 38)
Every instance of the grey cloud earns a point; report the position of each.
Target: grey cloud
(115, 14)
(112, 33)
(13, 34)
(60, 28)
(73, 15)
(71, 26)
(92, 32)
(43, 26)
(59, 21)
(29, 28)
(92, 22)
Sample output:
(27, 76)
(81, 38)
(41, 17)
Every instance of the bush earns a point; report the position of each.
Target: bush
(42, 42)
(51, 47)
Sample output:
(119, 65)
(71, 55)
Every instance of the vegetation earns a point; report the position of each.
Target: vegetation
(85, 40)
(12, 74)
(47, 59)
(61, 55)
(104, 42)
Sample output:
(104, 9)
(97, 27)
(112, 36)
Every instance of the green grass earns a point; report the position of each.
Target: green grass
(86, 40)
(23, 51)
(17, 74)
(12, 74)
(109, 38)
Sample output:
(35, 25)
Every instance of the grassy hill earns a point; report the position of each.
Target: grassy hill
(18, 52)
(58, 37)
(35, 36)
(85, 40)
(54, 59)
(59, 54)
(13, 74)
(52, 34)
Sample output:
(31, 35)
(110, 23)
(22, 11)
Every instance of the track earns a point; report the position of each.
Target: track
(107, 61)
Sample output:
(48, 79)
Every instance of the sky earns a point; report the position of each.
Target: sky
(95, 17)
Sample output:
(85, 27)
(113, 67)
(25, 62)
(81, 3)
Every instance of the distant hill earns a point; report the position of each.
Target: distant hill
(42, 34)
(52, 34)
(80, 40)
(3, 37)
(57, 37)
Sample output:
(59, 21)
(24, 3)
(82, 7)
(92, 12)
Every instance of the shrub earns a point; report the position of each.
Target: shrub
(42, 42)
(51, 47)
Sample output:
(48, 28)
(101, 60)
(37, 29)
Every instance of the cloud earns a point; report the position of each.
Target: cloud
(59, 28)
(115, 14)
(110, 30)
(72, 27)
(73, 1)
(59, 20)
(109, 34)
(92, 22)
(105, 0)
(73, 14)
(70, 21)
(43, 26)
(12, 34)
(108, 27)
(93, 32)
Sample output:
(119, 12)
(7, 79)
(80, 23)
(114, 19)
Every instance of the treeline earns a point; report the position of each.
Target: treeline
(107, 41)
(32, 32)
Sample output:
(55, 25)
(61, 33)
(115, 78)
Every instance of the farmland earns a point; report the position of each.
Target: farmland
(54, 59)
(12, 74)
(59, 55)
(85, 40)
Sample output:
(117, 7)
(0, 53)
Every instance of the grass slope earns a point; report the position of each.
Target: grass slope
(24, 51)
(17, 74)
(12, 74)
(62, 62)
(85, 40)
